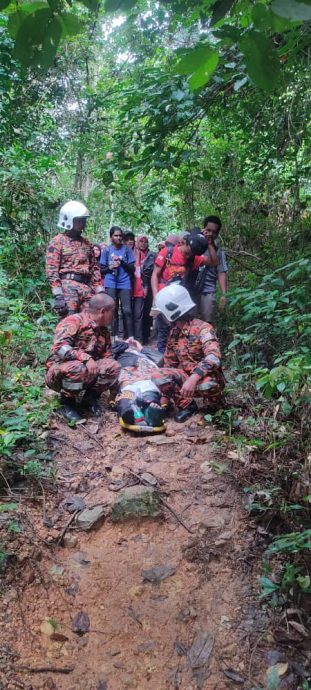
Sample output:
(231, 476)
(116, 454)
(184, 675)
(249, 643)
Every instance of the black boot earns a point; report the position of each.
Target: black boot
(184, 413)
(68, 409)
(90, 402)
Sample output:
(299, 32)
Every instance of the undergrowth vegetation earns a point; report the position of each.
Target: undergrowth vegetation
(267, 423)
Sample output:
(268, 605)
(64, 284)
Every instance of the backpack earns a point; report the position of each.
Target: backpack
(147, 267)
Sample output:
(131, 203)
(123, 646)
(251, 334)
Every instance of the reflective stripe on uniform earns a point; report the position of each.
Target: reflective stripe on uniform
(63, 350)
(207, 385)
(69, 385)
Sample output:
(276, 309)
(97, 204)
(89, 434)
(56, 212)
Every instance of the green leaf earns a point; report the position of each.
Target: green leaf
(71, 24)
(202, 75)
(4, 3)
(91, 4)
(273, 680)
(220, 9)
(263, 18)
(119, 5)
(16, 18)
(304, 581)
(38, 38)
(4, 507)
(192, 58)
(228, 31)
(199, 62)
(261, 60)
(267, 585)
(291, 9)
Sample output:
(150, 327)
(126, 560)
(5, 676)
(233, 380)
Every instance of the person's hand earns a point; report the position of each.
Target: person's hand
(145, 291)
(60, 305)
(188, 388)
(91, 367)
(208, 236)
(154, 312)
(223, 302)
(134, 343)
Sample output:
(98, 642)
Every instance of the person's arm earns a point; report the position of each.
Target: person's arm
(155, 280)
(104, 347)
(159, 266)
(223, 283)
(53, 259)
(211, 259)
(64, 341)
(104, 263)
(128, 262)
(211, 351)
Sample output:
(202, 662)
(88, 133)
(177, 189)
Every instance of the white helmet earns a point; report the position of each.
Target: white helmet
(71, 210)
(173, 301)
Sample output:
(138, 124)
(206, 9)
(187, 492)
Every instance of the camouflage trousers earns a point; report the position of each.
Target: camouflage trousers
(72, 379)
(170, 381)
(76, 295)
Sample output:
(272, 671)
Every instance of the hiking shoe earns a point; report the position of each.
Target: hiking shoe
(69, 411)
(91, 404)
(184, 413)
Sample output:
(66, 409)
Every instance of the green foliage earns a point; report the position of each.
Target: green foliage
(261, 59)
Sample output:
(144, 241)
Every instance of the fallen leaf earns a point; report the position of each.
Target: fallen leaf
(300, 628)
(80, 623)
(160, 572)
(200, 650)
(235, 677)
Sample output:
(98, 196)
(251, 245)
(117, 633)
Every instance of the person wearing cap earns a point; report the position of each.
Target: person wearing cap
(71, 267)
(175, 265)
(192, 358)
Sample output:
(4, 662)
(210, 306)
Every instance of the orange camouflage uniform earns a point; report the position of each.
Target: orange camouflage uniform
(75, 256)
(192, 349)
(77, 339)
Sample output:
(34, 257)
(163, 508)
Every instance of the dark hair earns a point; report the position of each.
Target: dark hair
(212, 219)
(98, 246)
(115, 228)
(129, 235)
(195, 230)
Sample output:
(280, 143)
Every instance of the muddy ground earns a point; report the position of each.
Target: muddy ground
(199, 627)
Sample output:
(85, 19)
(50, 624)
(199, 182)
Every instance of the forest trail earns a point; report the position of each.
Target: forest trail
(195, 629)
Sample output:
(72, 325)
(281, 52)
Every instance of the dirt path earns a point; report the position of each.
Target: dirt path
(195, 629)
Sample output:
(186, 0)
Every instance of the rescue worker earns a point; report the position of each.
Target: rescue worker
(80, 365)
(192, 356)
(71, 267)
(177, 264)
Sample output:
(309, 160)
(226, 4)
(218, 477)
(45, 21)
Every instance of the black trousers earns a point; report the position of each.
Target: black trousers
(147, 319)
(138, 312)
(124, 296)
(163, 333)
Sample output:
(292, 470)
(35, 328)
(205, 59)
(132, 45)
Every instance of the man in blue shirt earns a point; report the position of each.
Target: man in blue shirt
(118, 266)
